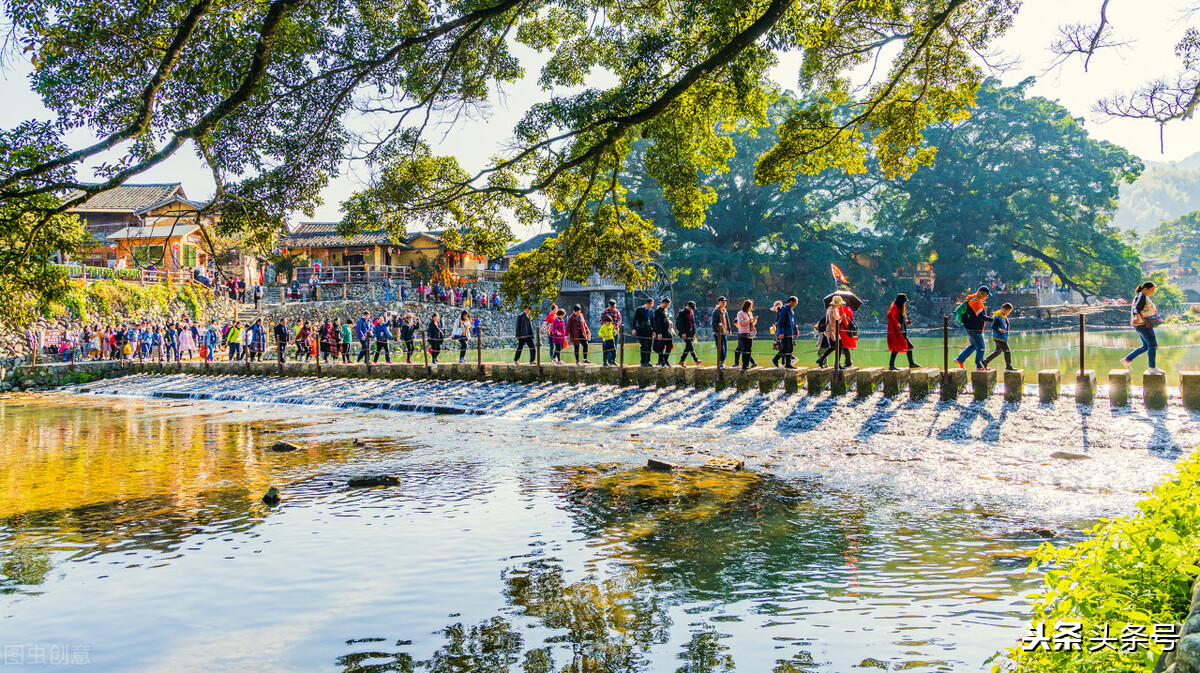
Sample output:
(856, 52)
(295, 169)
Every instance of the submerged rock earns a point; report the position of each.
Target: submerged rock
(271, 497)
(726, 463)
(285, 446)
(373, 480)
(1064, 455)
(358, 441)
(660, 465)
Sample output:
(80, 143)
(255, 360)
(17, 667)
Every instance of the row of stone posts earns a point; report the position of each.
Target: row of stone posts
(921, 383)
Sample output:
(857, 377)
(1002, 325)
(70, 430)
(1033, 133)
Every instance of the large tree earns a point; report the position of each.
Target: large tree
(1018, 185)
(277, 95)
(759, 240)
(1177, 238)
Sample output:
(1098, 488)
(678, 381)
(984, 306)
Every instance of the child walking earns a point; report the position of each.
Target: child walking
(1000, 337)
(608, 335)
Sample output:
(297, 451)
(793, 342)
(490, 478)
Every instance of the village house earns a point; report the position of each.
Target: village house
(152, 226)
(344, 259)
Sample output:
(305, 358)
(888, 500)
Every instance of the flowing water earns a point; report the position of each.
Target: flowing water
(527, 535)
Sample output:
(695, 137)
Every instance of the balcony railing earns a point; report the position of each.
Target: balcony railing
(360, 274)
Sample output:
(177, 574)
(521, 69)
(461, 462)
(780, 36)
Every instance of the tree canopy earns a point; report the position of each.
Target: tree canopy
(1018, 187)
(1018, 183)
(275, 96)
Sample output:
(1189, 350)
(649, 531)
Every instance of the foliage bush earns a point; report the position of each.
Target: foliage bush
(1135, 570)
(105, 299)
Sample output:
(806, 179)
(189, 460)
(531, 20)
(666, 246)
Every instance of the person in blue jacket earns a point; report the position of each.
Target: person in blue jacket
(785, 333)
(1000, 337)
(211, 338)
(363, 331)
(383, 334)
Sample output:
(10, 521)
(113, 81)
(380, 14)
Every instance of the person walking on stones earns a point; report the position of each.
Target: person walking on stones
(643, 329)
(258, 340)
(1000, 337)
(462, 330)
(1144, 318)
(325, 340)
(558, 337)
(347, 338)
(613, 314)
(685, 325)
(897, 331)
(407, 334)
(303, 343)
(746, 324)
(719, 321)
(187, 342)
(387, 288)
(435, 334)
(547, 323)
(383, 335)
(211, 338)
(972, 315)
(170, 342)
(785, 333)
(234, 339)
(663, 333)
(363, 330)
(579, 333)
(282, 336)
(838, 321)
(608, 338)
(525, 337)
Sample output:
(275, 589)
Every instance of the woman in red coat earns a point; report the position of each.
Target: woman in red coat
(897, 331)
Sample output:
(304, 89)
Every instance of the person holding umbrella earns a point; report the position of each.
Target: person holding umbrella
(897, 331)
(839, 333)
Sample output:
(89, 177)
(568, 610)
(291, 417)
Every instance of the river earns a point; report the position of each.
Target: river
(528, 535)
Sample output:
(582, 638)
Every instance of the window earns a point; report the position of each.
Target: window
(145, 255)
(189, 255)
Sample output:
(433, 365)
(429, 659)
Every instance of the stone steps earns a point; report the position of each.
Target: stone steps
(920, 383)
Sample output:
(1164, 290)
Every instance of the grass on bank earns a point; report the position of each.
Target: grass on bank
(1136, 570)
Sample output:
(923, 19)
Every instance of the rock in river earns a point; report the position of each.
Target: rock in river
(285, 446)
(373, 480)
(271, 497)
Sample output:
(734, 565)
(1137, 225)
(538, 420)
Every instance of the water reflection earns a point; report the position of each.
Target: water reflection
(485, 558)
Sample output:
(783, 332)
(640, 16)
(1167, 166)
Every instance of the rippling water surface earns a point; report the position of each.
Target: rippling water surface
(131, 531)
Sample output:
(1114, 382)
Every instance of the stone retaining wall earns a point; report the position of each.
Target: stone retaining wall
(1185, 658)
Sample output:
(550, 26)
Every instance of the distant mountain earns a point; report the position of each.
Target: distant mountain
(1163, 192)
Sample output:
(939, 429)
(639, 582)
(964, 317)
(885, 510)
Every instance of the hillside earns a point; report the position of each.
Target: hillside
(1163, 192)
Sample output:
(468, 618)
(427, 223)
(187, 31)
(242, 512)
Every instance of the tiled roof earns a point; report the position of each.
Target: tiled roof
(162, 231)
(129, 198)
(324, 235)
(532, 244)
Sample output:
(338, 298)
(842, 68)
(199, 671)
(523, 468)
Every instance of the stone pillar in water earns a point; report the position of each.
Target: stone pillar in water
(1118, 387)
(1048, 384)
(982, 383)
(1189, 388)
(1085, 387)
(1154, 391)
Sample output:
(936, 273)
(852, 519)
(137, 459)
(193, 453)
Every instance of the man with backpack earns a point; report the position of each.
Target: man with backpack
(785, 333)
(972, 315)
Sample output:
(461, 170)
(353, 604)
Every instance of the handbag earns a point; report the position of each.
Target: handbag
(1151, 321)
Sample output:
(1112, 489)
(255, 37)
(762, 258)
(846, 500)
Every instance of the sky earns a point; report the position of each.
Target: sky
(1150, 27)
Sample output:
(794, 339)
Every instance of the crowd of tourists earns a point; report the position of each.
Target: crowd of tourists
(655, 326)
